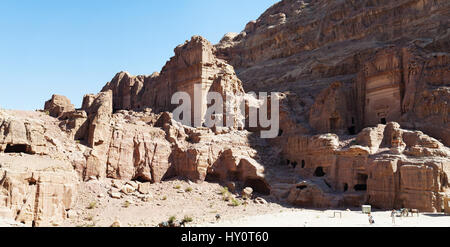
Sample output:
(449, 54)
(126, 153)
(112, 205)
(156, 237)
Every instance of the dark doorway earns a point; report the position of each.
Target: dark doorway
(334, 124)
(345, 187)
(303, 163)
(362, 182)
(258, 185)
(383, 121)
(18, 148)
(361, 187)
(280, 132)
(319, 172)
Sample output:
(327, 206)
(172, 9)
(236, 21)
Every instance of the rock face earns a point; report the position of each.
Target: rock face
(360, 64)
(381, 167)
(341, 67)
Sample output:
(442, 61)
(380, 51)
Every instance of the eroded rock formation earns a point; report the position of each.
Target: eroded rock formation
(341, 67)
(381, 166)
(349, 65)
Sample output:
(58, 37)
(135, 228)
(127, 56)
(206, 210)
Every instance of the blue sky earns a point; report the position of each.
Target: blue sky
(74, 47)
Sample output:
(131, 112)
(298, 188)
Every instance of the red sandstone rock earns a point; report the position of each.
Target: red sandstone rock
(58, 105)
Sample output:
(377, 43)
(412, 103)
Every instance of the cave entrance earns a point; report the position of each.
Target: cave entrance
(334, 124)
(362, 182)
(257, 185)
(212, 178)
(18, 148)
(383, 121)
(319, 172)
(352, 130)
(303, 163)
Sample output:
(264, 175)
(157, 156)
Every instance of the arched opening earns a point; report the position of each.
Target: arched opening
(345, 187)
(319, 172)
(257, 185)
(383, 121)
(303, 163)
(294, 165)
(18, 148)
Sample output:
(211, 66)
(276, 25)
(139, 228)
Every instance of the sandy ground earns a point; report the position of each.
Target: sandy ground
(318, 218)
(201, 203)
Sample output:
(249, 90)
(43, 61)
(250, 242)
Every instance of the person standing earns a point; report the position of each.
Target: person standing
(371, 220)
(393, 213)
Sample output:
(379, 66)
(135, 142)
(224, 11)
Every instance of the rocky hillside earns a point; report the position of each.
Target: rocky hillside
(346, 65)
(364, 116)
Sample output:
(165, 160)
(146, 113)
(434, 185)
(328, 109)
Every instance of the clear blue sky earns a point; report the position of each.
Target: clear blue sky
(73, 47)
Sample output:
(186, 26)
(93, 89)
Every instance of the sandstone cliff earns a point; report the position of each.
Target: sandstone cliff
(342, 68)
(389, 58)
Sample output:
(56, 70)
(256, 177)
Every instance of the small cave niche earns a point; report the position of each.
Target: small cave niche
(32, 181)
(295, 164)
(319, 172)
(352, 130)
(18, 148)
(302, 187)
(303, 163)
(288, 162)
(257, 185)
(362, 182)
(212, 177)
(360, 187)
(345, 187)
(444, 180)
(383, 121)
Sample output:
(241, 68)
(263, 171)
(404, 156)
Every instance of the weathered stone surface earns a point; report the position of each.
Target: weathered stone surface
(382, 167)
(58, 105)
(37, 190)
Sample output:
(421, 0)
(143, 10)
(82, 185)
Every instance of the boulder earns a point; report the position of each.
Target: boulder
(58, 105)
